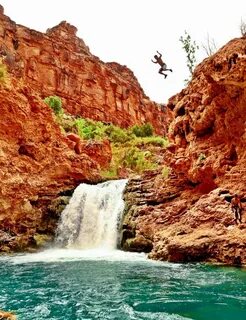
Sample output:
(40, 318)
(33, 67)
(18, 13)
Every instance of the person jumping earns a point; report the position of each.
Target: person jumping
(158, 59)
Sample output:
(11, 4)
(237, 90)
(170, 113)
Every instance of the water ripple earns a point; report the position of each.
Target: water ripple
(119, 287)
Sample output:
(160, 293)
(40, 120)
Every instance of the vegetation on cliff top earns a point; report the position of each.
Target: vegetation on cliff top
(134, 149)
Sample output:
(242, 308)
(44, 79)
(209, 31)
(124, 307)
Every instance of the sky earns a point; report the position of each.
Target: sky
(130, 31)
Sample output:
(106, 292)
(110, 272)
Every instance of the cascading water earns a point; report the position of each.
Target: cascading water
(92, 217)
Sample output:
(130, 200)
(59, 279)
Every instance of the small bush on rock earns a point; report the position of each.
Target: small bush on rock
(145, 130)
(55, 103)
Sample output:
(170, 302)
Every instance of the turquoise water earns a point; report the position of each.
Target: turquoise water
(59, 284)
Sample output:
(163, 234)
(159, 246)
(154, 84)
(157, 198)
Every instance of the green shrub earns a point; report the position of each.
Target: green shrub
(145, 130)
(111, 173)
(128, 151)
(138, 160)
(55, 103)
(117, 134)
(154, 141)
(88, 129)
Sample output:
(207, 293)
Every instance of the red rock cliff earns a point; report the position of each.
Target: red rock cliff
(59, 63)
(187, 216)
(209, 124)
(37, 162)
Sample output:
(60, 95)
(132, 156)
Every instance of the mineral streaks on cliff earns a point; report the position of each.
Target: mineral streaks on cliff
(187, 217)
(59, 63)
(36, 163)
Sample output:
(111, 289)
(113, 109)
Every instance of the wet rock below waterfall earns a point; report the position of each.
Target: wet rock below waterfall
(138, 244)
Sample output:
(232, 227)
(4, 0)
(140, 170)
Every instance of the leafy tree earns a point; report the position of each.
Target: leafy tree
(55, 103)
(190, 48)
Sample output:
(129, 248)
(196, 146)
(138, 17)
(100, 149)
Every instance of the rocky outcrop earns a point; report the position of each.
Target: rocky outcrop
(7, 315)
(37, 163)
(182, 224)
(187, 215)
(209, 124)
(59, 63)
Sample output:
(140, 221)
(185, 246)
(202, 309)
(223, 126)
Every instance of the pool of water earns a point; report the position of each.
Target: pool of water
(70, 284)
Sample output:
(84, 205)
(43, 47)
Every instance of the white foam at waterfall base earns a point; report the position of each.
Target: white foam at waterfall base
(62, 255)
(88, 228)
(92, 217)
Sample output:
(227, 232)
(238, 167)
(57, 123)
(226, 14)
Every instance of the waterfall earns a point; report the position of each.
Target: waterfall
(92, 217)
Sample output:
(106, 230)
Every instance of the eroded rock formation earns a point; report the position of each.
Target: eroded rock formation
(187, 216)
(7, 315)
(59, 63)
(37, 162)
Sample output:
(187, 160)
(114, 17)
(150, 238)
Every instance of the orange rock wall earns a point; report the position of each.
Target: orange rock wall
(59, 63)
(36, 160)
(209, 120)
(187, 216)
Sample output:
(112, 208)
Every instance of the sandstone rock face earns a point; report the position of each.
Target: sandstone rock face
(187, 216)
(7, 315)
(37, 162)
(59, 63)
(209, 124)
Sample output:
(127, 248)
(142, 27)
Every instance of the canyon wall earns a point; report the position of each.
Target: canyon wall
(59, 63)
(37, 163)
(179, 214)
(187, 215)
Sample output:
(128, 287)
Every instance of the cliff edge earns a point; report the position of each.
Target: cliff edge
(185, 215)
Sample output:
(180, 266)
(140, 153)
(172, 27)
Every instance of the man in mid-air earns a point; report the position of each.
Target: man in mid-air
(159, 60)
